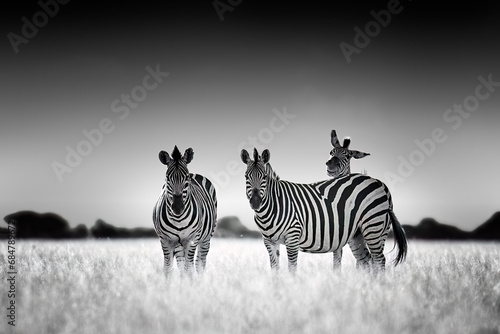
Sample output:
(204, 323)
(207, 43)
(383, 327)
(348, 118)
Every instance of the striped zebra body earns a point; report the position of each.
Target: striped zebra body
(185, 216)
(324, 226)
(197, 222)
(320, 217)
(338, 166)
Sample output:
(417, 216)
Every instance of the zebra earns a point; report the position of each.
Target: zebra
(339, 165)
(321, 217)
(185, 214)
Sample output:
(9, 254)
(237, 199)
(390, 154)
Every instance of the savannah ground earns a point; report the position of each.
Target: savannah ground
(118, 287)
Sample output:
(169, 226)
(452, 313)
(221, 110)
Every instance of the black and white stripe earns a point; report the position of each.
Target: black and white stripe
(185, 215)
(321, 217)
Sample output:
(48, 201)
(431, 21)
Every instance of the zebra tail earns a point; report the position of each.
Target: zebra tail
(399, 238)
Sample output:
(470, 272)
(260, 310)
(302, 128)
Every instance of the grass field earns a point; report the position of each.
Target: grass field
(118, 287)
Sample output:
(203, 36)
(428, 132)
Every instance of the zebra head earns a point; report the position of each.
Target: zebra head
(177, 178)
(256, 176)
(339, 163)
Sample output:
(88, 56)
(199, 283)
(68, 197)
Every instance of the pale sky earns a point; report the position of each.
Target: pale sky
(276, 77)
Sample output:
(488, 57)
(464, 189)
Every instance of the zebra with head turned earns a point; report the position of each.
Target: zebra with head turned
(185, 214)
(320, 217)
(340, 163)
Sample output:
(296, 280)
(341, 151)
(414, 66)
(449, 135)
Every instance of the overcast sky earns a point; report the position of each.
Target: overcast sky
(148, 77)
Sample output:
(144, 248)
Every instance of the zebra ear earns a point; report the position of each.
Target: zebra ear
(266, 155)
(245, 157)
(357, 154)
(188, 155)
(164, 157)
(335, 140)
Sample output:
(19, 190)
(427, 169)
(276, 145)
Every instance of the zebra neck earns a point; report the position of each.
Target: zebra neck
(270, 201)
(347, 171)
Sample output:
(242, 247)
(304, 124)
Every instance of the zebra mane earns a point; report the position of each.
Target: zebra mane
(255, 155)
(347, 142)
(176, 154)
(271, 173)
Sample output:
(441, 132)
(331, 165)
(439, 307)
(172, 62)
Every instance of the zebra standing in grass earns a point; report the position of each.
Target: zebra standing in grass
(186, 213)
(340, 163)
(338, 166)
(320, 217)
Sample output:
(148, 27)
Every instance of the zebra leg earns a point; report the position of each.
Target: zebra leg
(189, 251)
(379, 261)
(337, 259)
(360, 251)
(179, 256)
(376, 248)
(201, 257)
(273, 249)
(292, 249)
(374, 235)
(168, 257)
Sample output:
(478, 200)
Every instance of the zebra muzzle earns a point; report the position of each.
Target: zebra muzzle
(177, 204)
(332, 166)
(255, 199)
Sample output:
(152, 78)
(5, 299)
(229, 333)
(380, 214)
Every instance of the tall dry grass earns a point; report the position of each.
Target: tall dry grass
(118, 287)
